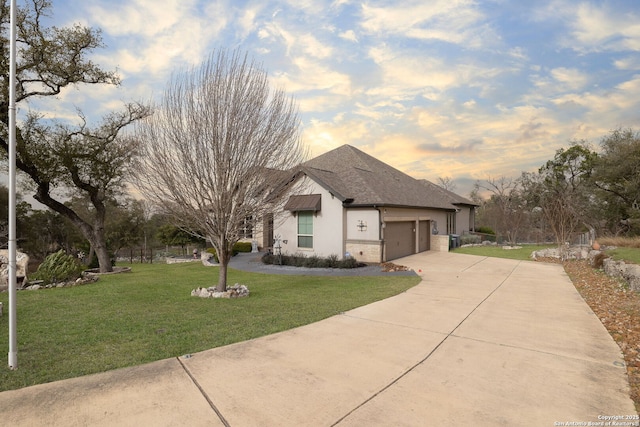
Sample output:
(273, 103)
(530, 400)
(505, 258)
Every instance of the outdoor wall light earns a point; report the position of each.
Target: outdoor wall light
(285, 241)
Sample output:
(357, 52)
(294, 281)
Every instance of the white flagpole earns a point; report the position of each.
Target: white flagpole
(12, 283)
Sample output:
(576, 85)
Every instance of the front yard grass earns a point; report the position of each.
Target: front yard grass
(630, 255)
(149, 314)
(523, 253)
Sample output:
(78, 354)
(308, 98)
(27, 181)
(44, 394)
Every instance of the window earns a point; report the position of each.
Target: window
(305, 229)
(451, 223)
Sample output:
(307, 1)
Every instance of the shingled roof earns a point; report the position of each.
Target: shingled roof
(358, 179)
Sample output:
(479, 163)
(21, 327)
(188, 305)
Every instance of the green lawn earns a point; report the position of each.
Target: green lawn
(149, 314)
(496, 251)
(631, 255)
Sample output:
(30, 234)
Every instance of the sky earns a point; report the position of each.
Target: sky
(464, 89)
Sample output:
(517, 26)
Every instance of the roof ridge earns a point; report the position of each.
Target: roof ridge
(366, 180)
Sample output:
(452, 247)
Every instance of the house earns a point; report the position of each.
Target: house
(350, 203)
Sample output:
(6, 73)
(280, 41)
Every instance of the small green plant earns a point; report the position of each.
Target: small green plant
(213, 252)
(313, 261)
(332, 261)
(59, 267)
(349, 263)
(237, 247)
(470, 239)
(485, 230)
(242, 247)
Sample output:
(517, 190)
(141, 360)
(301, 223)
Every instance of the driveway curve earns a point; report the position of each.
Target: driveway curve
(480, 341)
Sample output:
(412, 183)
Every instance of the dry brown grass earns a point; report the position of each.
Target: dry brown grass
(622, 242)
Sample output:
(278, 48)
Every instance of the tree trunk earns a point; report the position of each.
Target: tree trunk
(222, 277)
(95, 235)
(91, 254)
(100, 246)
(224, 255)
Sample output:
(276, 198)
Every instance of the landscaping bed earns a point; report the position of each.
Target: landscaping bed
(618, 308)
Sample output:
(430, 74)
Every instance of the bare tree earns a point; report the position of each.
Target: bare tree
(505, 208)
(447, 183)
(215, 149)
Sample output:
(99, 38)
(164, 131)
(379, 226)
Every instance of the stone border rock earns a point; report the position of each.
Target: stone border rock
(96, 271)
(84, 280)
(573, 252)
(630, 273)
(235, 291)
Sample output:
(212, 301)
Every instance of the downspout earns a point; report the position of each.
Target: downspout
(344, 231)
(380, 233)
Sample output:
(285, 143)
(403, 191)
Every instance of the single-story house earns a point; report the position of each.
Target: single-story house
(348, 203)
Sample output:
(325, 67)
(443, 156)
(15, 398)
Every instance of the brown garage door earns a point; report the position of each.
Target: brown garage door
(399, 238)
(424, 236)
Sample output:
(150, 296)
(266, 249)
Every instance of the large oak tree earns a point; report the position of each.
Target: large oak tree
(62, 159)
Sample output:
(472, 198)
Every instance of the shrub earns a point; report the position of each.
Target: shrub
(313, 261)
(213, 252)
(297, 260)
(485, 230)
(469, 239)
(269, 258)
(237, 248)
(332, 261)
(301, 260)
(598, 260)
(350, 263)
(241, 247)
(59, 267)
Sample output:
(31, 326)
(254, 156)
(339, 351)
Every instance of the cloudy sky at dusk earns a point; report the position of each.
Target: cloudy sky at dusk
(459, 88)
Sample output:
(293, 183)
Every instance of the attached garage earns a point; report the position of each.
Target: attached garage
(424, 236)
(399, 239)
(368, 210)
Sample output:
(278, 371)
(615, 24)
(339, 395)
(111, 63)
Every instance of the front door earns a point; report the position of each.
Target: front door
(267, 236)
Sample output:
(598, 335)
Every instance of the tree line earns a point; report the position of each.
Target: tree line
(581, 190)
(131, 229)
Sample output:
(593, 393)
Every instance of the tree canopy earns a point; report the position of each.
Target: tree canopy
(580, 190)
(216, 147)
(56, 156)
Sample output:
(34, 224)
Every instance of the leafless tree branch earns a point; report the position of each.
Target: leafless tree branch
(217, 146)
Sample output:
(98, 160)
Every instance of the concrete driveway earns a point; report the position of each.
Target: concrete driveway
(480, 341)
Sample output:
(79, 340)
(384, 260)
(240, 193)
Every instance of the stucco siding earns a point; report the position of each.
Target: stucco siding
(363, 224)
(328, 230)
(463, 221)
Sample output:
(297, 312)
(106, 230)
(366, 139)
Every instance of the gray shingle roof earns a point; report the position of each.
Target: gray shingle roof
(359, 179)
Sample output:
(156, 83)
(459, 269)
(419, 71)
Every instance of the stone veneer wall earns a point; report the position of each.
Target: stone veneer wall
(440, 242)
(365, 250)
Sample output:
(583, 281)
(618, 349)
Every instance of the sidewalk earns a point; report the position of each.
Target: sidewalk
(480, 341)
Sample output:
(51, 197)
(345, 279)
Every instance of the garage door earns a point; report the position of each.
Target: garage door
(424, 236)
(399, 238)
